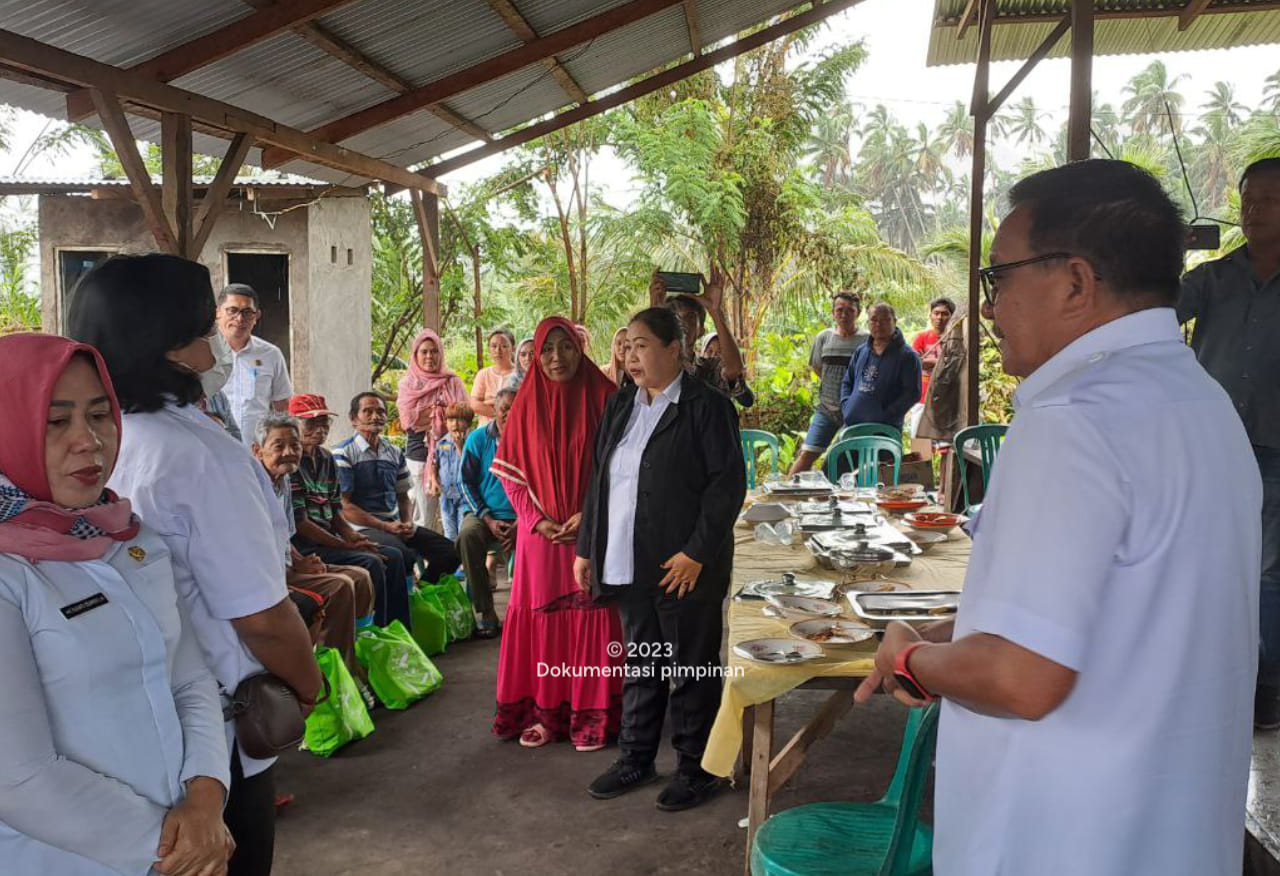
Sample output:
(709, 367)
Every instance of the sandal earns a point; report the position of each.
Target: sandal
(586, 748)
(535, 737)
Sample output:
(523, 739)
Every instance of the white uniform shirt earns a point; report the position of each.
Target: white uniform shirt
(214, 506)
(624, 481)
(259, 376)
(1121, 538)
(108, 711)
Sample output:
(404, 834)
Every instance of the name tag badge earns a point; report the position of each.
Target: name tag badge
(75, 609)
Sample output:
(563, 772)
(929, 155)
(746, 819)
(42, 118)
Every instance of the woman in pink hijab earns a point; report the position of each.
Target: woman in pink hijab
(112, 753)
(426, 389)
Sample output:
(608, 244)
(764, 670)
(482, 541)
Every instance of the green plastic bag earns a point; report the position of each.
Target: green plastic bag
(399, 672)
(466, 612)
(458, 612)
(430, 629)
(342, 716)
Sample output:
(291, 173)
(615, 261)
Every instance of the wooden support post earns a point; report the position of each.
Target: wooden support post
(426, 207)
(761, 755)
(980, 108)
(175, 179)
(117, 128)
(1079, 116)
(215, 196)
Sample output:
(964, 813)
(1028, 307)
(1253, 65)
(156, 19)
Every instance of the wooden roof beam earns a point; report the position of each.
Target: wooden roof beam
(333, 45)
(486, 71)
(966, 18)
(144, 191)
(42, 59)
(519, 25)
(691, 24)
(1192, 10)
(202, 51)
(811, 16)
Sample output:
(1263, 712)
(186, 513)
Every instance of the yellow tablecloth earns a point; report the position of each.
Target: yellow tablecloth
(748, 683)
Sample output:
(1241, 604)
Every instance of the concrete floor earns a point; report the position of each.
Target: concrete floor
(432, 791)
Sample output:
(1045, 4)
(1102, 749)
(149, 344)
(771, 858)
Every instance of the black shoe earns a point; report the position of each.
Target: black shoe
(1266, 707)
(688, 789)
(620, 778)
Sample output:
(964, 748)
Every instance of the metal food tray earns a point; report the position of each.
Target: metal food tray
(882, 535)
(878, 609)
(813, 588)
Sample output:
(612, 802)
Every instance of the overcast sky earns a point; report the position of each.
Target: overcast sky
(896, 33)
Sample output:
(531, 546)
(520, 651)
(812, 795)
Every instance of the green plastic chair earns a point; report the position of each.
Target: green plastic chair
(884, 838)
(862, 429)
(862, 455)
(989, 438)
(752, 440)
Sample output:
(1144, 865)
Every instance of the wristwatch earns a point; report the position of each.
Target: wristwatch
(905, 679)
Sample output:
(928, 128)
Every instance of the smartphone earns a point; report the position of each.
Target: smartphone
(681, 282)
(1203, 237)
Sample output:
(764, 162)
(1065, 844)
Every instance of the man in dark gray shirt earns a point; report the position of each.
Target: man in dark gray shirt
(1235, 302)
(829, 359)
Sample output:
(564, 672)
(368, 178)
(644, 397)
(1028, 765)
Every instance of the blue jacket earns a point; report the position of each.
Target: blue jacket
(484, 493)
(881, 389)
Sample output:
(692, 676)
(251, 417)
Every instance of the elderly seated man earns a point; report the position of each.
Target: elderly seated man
(491, 521)
(345, 592)
(323, 532)
(374, 479)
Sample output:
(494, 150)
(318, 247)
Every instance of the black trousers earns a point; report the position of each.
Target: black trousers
(439, 552)
(250, 815)
(388, 571)
(688, 630)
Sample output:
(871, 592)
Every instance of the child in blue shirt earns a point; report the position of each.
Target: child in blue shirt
(447, 461)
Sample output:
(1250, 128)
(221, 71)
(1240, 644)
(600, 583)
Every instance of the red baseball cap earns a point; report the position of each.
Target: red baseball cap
(309, 406)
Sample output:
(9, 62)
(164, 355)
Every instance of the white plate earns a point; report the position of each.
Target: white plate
(778, 652)
(842, 632)
(804, 605)
(926, 538)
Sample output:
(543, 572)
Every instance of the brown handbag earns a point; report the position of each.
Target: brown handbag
(267, 715)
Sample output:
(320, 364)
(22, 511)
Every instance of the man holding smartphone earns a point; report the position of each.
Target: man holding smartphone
(1097, 681)
(1235, 301)
(726, 373)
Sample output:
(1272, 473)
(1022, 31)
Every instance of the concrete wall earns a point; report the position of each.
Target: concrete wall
(329, 300)
(334, 324)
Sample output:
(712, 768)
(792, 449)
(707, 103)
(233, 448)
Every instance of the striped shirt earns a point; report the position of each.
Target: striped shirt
(372, 477)
(317, 495)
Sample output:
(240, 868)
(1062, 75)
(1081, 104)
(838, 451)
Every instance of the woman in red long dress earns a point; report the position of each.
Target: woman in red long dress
(557, 677)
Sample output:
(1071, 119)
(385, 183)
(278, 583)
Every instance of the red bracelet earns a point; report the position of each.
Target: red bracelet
(906, 679)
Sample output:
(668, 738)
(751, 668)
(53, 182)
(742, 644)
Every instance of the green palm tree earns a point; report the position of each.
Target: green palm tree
(1271, 91)
(956, 131)
(1150, 91)
(829, 149)
(1022, 122)
(1223, 104)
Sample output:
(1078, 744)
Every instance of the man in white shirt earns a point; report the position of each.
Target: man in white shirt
(1097, 683)
(259, 377)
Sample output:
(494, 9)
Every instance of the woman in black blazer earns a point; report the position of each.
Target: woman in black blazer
(656, 538)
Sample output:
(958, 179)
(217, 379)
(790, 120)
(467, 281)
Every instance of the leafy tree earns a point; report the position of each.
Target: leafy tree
(1150, 92)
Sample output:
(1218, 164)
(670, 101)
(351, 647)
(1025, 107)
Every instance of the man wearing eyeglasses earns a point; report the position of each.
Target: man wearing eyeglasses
(259, 379)
(1235, 302)
(1097, 681)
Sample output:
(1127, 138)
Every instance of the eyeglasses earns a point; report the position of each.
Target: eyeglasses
(989, 276)
(245, 312)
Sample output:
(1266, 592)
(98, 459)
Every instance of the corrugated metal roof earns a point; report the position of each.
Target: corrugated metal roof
(291, 81)
(1112, 36)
